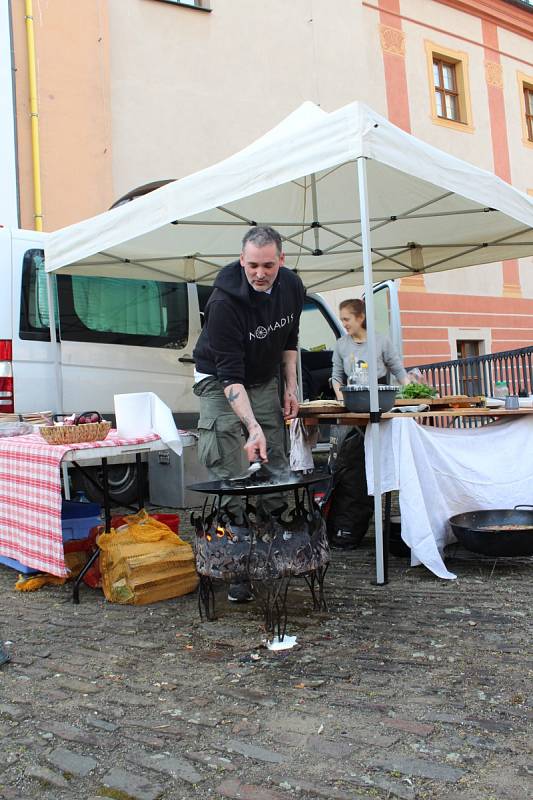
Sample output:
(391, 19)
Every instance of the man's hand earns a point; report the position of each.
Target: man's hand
(256, 446)
(290, 396)
(290, 405)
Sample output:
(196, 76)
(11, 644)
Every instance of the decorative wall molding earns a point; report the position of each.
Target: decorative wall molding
(392, 40)
(494, 74)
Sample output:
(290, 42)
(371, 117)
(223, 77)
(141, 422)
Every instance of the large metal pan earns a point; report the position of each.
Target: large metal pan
(260, 484)
(498, 533)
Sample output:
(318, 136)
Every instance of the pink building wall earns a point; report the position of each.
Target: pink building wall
(432, 321)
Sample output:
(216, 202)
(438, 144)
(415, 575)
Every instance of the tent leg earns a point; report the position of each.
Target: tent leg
(381, 576)
(372, 365)
(50, 291)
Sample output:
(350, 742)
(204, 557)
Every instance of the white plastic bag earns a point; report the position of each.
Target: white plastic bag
(303, 439)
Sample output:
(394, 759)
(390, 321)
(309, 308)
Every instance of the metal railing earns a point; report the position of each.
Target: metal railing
(528, 4)
(477, 375)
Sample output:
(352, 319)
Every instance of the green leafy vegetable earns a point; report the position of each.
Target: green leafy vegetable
(415, 390)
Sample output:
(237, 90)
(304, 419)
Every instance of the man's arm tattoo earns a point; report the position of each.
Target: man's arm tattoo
(232, 396)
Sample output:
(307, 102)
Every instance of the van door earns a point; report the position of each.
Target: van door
(127, 335)
(387, 313)
(35, 357)
(319, 330)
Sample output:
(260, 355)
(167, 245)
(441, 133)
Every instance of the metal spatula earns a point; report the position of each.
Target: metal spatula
(254, 466)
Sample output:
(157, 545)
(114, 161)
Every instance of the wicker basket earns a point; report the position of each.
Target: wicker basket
(73, 434)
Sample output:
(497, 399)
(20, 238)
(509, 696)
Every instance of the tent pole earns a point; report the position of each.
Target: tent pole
(50, 293)
(381, 578)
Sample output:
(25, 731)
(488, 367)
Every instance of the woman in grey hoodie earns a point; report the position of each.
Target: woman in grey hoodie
(351, 508)
(353, 347)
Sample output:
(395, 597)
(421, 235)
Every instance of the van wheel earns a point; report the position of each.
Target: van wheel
(122, 483)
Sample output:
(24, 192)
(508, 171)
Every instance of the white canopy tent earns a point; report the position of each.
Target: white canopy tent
(351, 194)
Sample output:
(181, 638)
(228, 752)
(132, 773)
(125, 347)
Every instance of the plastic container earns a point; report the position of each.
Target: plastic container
(357, 398)
(92, 577)
(359, 375)
(15, 428)
(78, 517)
(14, 564)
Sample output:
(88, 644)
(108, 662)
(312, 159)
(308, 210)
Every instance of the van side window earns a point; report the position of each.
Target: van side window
(127, 311)
(34, 318)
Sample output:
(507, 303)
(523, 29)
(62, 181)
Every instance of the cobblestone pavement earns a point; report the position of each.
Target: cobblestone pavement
(420, 689)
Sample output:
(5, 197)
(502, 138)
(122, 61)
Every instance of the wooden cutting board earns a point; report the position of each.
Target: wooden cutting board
(446, 401)
(321, 407)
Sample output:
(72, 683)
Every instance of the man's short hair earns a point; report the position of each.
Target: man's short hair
(261, 235)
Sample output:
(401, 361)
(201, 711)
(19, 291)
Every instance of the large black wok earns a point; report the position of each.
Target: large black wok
(260, 484)
(498, 533)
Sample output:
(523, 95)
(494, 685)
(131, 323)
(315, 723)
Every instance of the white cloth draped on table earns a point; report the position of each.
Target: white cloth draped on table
(141, 413)
(445, 471)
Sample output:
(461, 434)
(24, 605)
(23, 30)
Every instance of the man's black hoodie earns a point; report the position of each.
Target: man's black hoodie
(245, 332)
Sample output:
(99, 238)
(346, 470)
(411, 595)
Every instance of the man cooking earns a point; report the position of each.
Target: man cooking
(250, 331)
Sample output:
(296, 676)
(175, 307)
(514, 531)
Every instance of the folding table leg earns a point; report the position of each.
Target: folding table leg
(139, 476)
(80, 576)
(66, 481)
(107, 514)
(107, 499)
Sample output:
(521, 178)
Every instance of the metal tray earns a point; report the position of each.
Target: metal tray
(259, 484)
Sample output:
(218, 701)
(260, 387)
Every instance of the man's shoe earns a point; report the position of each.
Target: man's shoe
(240, 592)
(344, 540)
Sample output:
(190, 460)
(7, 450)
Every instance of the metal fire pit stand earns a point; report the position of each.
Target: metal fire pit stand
(272, 597)
(269, 585)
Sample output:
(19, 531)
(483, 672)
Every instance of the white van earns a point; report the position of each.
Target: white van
(115, 335)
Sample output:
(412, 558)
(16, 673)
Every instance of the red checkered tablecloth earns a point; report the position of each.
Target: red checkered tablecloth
(30, 498)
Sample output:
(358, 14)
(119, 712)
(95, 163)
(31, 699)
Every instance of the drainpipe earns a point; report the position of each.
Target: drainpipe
(34, 115)
(37, 196)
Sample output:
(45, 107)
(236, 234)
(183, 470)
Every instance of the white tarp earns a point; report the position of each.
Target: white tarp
(428, 210)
